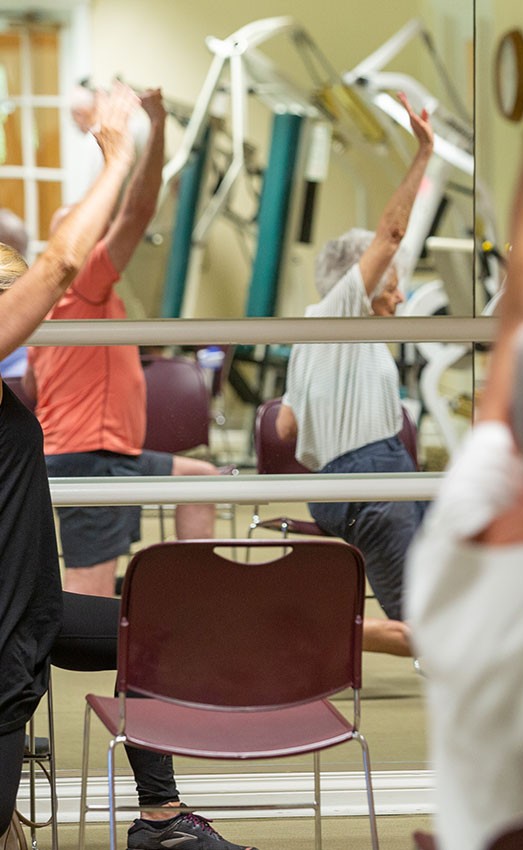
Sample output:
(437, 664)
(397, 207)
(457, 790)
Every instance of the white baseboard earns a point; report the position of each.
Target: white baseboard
(343, 793)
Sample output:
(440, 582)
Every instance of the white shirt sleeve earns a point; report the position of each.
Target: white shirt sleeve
(481, 483)
(348, 297)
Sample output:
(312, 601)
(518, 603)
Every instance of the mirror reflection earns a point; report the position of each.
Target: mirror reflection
(299, 140)
(273, 147)
(313, 150)
(271, 150)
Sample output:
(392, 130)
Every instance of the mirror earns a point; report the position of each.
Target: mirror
(167, 47)
(430, 42)
(368, 156)
(340, 149)
(230, 272)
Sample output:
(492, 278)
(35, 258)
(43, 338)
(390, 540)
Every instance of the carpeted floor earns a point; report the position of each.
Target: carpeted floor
(292, 834)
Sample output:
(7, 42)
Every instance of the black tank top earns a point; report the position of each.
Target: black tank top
(30, 589)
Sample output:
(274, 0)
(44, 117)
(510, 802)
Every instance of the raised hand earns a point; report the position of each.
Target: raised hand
(111, 131)
(152, 104)
(420, 124)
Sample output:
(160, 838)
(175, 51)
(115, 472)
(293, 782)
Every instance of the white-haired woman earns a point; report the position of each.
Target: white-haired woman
(342, 400)
(465, 597)
(30, 591)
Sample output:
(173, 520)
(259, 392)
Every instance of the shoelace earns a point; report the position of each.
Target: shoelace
(203, 823)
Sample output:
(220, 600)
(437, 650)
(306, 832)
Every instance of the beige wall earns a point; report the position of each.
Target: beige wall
(162, 43)
(498, 143)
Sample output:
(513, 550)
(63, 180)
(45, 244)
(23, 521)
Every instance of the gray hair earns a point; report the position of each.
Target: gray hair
(339, 255)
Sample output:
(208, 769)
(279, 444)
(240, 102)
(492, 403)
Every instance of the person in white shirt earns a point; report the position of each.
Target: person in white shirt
(342, 400)
(465, 596)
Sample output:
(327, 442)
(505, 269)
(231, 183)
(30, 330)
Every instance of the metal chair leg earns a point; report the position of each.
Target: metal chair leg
(45, 760)
(317, 802)
(370, 794)
(85, 772)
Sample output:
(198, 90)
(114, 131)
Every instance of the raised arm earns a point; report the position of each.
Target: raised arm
(26, 303)
(496, 401)
(395, 217)
(482, 494)
(139, 202)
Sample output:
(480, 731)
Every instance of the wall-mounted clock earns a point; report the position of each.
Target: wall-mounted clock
(509, 75)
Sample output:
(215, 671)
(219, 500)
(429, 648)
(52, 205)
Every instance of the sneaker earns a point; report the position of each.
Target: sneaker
(185, 832)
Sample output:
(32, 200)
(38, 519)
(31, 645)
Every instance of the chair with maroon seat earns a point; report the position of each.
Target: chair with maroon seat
(177, 405)
(292, 639)
(178, 413)
(276, 457)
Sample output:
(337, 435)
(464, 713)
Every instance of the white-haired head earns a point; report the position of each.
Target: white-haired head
(339, 255)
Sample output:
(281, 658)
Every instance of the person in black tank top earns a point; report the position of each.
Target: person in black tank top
(30, 593)
(31, 599)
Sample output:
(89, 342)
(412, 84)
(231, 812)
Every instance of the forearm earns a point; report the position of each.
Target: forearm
(511, 312)
(286, 425)
(496, 402)
(83, 227)
(395, 217)
(141, 195)
(139, 202)
(26, 303)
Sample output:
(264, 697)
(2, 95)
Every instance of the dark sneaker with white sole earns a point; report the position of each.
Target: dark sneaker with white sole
(185, 832)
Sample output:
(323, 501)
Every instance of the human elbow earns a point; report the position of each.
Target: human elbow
(286, 428)
(394, 234)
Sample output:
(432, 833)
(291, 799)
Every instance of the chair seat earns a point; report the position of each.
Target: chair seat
(293, 526)
(227, 734)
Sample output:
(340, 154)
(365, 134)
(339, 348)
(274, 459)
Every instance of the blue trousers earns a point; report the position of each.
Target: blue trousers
(381, 530)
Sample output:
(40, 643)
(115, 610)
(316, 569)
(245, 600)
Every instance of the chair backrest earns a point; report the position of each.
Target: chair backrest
(409, 436)
(199, 628)
(15, 384)
(275, 457)
(177, 405)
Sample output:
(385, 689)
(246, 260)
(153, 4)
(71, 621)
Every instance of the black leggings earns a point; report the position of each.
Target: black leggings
(87, 641)
(11, 755)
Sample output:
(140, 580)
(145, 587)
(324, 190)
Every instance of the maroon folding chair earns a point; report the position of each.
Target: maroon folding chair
(276, 457)
(409, 435)
(178, 414)
(252, 683)
(177, 405)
